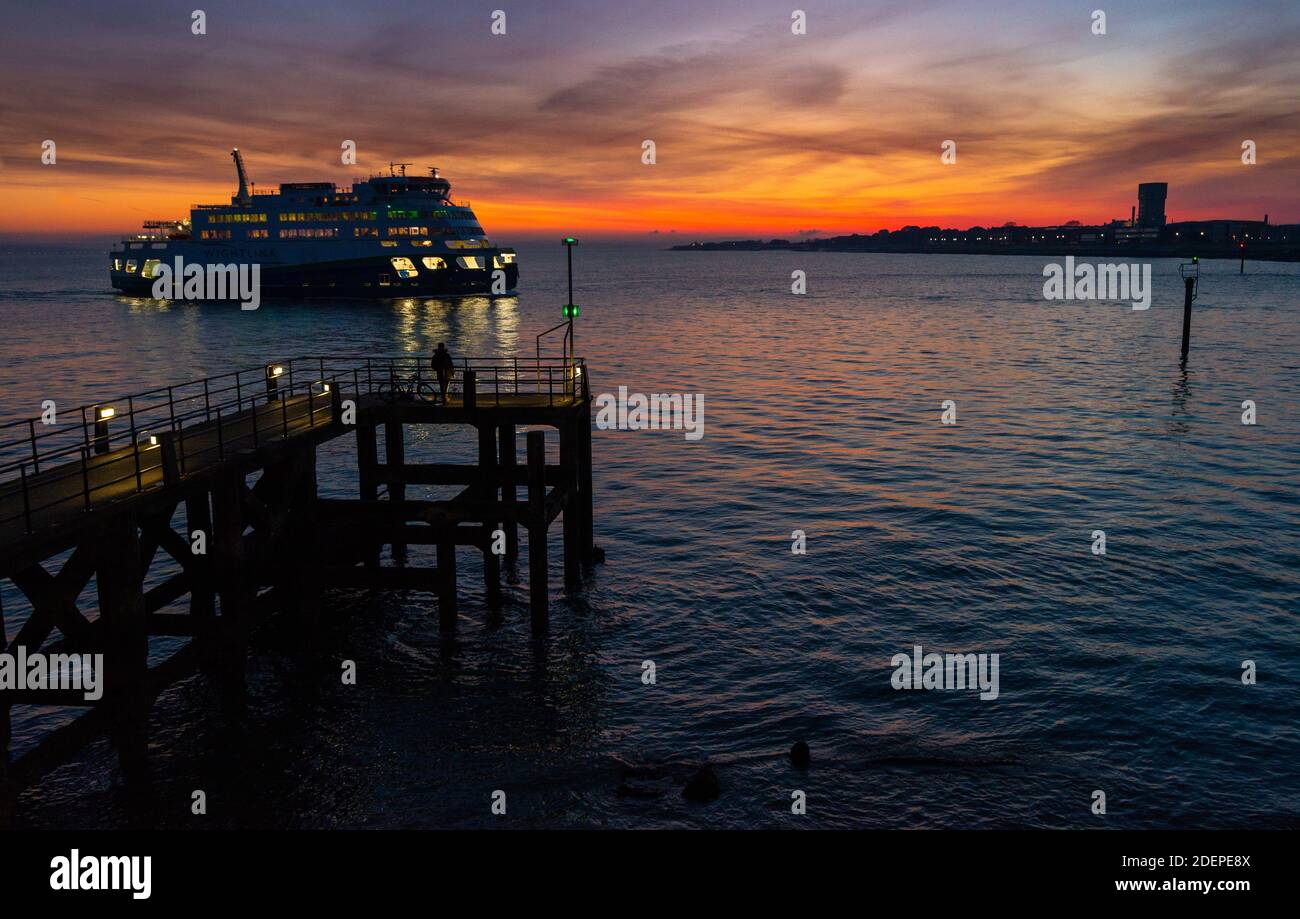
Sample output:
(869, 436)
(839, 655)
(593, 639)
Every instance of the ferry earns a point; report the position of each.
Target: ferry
(392, 235)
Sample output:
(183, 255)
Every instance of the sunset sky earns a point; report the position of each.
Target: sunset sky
(759, 132)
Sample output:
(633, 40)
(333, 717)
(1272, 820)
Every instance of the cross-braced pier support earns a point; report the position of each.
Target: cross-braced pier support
(107, 509)
(487, 513)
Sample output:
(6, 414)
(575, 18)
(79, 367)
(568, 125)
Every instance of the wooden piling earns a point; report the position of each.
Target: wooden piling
(572, 516)
(446, 575)
(506, 449)
(227, 546)
(585, 501)
(299, 583)
(487, 468)
(1189, 289)
(538, 589)
(203, 598)
(367, 460)
(124, 675)
(395, 458)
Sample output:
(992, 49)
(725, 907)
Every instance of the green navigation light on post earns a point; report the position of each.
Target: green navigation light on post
(571, 311)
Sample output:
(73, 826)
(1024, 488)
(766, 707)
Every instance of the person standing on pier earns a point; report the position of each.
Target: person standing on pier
(444, 367)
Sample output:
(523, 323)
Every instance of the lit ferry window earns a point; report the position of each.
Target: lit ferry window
(404, 267)
(117, 264)
(130, 266)
(149, 266)
(433, 263)
(469, 261)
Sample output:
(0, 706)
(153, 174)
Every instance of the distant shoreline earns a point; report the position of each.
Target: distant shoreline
(1262, 253)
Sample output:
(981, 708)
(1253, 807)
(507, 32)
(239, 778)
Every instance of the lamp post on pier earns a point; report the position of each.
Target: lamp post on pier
(570, 308)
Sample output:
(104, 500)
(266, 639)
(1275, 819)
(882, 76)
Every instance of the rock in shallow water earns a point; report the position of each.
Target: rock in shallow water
(800, 755)
(703, 786)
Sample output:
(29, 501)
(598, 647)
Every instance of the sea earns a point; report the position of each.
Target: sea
(919, 450)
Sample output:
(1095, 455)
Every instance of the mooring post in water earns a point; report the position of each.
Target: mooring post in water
(506, 449)
(538, 590)
(1242, 249)
(1190, 275)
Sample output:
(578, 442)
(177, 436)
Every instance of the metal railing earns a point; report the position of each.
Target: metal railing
(126, 446)
(140, 442)
(498, 380)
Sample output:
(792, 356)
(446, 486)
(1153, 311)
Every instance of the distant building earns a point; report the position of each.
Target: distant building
(1151, 204)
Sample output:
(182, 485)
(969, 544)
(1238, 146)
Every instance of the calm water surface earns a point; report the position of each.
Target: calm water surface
(1119, 673)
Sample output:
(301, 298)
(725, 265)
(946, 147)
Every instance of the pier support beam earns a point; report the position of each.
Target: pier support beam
(538, 589)
(395, 457)
(572, 515)
(300, 585)
(229, 564)
(506, 448)
(367, 460)
(487, 467)
(446, 575)
(203, 598)
(585, 503)
(126, 644)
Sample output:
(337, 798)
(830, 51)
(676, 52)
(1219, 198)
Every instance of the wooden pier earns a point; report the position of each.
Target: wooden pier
(101, 488)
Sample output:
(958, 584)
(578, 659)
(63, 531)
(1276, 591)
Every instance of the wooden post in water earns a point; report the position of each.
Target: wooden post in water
(487, 469)
(506, 448)
(119, 578)
(395, 458)
(367, 460)
(572, 522)
(585, 504)
(446, 576)
(299, 583)
(538, 589)
(227, 546)
(1189, 288)
(203, 598)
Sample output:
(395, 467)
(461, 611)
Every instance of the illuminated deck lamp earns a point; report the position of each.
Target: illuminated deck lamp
(102, 415)
(145, 440)
(273, 374)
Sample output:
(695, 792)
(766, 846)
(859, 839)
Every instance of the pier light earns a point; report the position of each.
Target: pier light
(145, 440)
(322, 387)
(102, 414)
(273, 374)
(571, 311)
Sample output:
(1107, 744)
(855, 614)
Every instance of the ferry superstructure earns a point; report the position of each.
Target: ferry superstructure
(391, 235)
